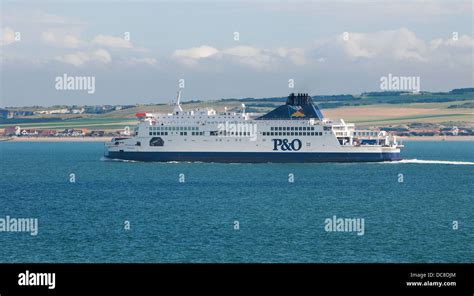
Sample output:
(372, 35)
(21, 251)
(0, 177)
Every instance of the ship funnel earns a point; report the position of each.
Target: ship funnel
(299, 100)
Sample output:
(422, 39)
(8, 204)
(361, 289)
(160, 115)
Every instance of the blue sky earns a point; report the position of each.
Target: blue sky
(278, 41)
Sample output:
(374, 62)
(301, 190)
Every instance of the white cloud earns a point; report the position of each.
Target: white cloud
(102, 55)
(190, 56)
(250, 56)
(76, 59)
(401, 44)
(297, 56)
(39, 28)
(62, 40)
(7, 36)
(243, 51)
(452, 52)
(79, 59)
(253, 57)
(203, 51)
(463, 41)
(381, 47)
(72, 41)
(111, 41)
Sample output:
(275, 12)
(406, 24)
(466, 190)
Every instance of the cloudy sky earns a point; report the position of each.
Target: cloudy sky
(326, 47)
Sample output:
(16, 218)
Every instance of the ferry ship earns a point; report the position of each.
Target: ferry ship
(295, 132)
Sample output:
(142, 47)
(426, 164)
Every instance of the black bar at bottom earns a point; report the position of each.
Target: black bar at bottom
(416, 279)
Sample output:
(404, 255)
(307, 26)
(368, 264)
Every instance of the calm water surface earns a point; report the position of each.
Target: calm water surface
(194, 221)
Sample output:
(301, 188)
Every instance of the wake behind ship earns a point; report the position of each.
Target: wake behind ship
(292, 133)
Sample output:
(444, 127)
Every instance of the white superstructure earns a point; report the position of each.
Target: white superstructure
(295, 132)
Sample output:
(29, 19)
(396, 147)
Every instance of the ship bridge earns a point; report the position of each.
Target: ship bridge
(298, 106)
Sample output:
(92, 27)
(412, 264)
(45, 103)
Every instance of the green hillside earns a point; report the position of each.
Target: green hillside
(455, 105)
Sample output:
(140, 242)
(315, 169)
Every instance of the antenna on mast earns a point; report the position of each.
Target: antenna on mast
(177, 107)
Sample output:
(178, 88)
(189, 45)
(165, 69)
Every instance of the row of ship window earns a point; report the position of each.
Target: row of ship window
(292, 128)
(226, 133)
(194, 128)
(174, 128)
(180, 133)
(213, 133)
(292, 133)
(365, 134)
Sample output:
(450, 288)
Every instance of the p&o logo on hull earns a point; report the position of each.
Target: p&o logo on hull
(285, 145)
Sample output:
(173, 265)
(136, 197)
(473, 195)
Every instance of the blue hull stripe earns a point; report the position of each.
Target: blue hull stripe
(254, 157)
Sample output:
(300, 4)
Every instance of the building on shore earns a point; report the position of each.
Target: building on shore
(72, 132)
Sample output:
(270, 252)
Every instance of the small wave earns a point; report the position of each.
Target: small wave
(103, 158)
(179, 162)
(421, 161)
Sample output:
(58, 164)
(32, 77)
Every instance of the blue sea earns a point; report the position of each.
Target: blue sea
(204, 212)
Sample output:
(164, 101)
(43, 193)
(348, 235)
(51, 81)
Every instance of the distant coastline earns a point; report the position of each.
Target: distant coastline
(107, 139)
(55, 139)
(437, 138)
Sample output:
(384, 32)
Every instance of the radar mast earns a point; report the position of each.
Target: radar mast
(177, 107)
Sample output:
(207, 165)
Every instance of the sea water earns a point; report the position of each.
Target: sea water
(89, 209)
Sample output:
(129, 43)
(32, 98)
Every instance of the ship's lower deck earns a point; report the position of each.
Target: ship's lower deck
(255, 157)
